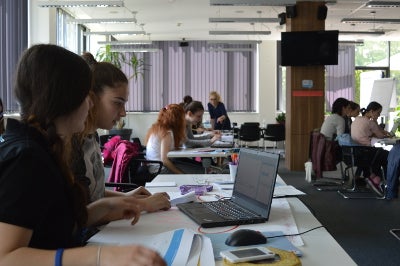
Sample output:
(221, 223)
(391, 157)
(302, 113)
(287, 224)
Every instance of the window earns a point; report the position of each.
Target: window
(70, 35)
(174, 71)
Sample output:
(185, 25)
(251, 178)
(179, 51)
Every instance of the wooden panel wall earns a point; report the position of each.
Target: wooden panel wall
(304, 107)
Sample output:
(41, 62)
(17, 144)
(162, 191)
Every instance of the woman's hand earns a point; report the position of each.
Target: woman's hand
(156, 202)
(114, 208)
(132, 255)
(221, 119)
(139, 193)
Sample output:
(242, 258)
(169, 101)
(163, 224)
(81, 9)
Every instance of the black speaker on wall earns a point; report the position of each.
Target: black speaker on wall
(322, 12)
(291, 11)
(282, 18)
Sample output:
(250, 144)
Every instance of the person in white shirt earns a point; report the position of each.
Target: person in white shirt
(334, 125)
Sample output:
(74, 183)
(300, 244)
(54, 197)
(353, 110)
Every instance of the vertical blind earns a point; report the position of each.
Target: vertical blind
(174, 71)
(13, 41)
(340, 78)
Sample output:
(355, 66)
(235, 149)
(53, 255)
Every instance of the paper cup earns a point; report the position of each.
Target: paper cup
(232, 171)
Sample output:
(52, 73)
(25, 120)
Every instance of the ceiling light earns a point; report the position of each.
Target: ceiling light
(212, 49)
(370, 20)
(135, 50)
(102, 20)
(114, 33)
(232, 42)
(252, 2)
(124, 42)
(232, 32)
(382, 4)
(243, 20)
(110, 3)
(378, 32)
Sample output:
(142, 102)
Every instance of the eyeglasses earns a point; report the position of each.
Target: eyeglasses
(213, 99)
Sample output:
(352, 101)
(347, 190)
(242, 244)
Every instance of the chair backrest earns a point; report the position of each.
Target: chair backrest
(250, 132)
(275, 132)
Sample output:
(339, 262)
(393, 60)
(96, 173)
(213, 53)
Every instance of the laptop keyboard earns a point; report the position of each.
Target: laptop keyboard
(228, 210)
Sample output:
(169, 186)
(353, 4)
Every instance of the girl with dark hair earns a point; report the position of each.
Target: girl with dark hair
(366, 131)
(194, 114)
(110, 93)
(334, 125)
(354, 111)
(43, 208)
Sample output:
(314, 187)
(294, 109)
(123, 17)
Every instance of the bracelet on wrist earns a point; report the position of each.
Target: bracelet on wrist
(58, 257)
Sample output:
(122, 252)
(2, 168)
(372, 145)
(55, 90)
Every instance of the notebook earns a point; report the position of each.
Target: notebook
(226, 141)
(251, 197)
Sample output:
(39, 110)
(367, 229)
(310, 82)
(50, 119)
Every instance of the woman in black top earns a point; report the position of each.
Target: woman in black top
(42, 208)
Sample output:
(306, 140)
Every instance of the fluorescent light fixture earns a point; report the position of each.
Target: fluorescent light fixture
(243, 20)
(378, 32)
(102, 20)
(211, 49)
(135, 50)
(371, 20)
(382, 4)
(252, 2)
(125, 42)
(232, 42)
(110, 3)
(232, 32)
(86, 33)
(357, 42)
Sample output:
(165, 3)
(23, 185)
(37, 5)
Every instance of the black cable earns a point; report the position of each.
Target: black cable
(298, 234)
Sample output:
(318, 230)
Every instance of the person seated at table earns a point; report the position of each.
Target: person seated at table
(168, 134)
(334, 125)
(109, 93)
(218, 114)
(353, 111)
(194, 114)
(366, 131)
(43, 209)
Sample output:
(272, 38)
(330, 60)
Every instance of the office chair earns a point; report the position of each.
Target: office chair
(325, 155)
(129, 165)
(274, 132)
(250, 131)
(363, 157)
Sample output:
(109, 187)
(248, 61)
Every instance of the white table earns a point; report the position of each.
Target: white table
(319, 248)
(204, 153)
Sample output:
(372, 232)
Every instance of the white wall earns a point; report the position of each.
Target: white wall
(42, 29)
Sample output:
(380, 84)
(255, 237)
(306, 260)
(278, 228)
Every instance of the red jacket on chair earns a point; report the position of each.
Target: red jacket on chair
(323, 153)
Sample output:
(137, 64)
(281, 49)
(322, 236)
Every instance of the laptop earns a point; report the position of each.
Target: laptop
(251, 197)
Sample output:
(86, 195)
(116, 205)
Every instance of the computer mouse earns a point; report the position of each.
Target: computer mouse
(245, 237)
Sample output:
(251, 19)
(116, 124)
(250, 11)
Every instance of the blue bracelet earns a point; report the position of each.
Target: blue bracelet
(58, 258)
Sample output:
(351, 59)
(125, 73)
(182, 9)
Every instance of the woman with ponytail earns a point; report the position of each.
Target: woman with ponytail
(43, 209)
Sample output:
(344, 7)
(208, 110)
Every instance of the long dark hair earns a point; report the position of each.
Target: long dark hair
(51, 82)
(194, 107)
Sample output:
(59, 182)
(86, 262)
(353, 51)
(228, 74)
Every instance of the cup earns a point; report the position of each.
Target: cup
(232, 171)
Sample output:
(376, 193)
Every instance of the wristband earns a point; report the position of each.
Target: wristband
(58, 258)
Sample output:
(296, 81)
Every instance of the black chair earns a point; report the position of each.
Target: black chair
(360, 157)
(274, 132)
(249, 132)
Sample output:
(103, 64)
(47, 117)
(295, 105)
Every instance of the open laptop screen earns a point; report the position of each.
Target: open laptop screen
(255, 179)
